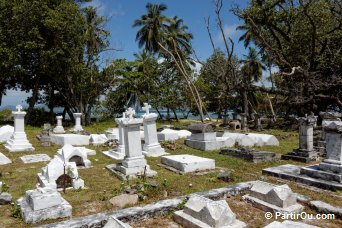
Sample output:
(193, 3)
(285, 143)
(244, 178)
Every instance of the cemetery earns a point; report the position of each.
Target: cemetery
(117, 114)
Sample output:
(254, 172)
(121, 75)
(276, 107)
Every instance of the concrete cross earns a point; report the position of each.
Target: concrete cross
(146, 108)
(130, 112)
(19, 107)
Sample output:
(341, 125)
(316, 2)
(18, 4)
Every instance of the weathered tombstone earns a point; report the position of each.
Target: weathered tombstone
(78, 126)
(273, 198)
(244, 126)
(4, 160)
(330, 169)
(305, 152)
(59, 128)
(44, 136)
(119, 152)
(202, 212)
(73, 154)
(6, 132)
(134, 163)
(18, 141)
(97, 139)
(203, 137)
(42, 204)
(151, 147)
(250, 155)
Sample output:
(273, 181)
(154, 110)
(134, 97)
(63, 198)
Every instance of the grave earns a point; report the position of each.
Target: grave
(250, 139)
(151, 147)
(204, 138)
(60, 174)
(328, 173)
(203, 212)
(43, 203)
(4, 160)
(59, 128)
(74, 154)
(134, 163)
(235, 125)
(81, 148)
(97, 139)
(186, 163)
(273, 198)
(35, 158)
(44, 137)
(112, 133)
(78, 127)
(250, 155)
(172, 134)
(113, 222)
(119, 152)
(72, 139)
(305, 152)
(5, 133)
(288, 224)
(18, 141)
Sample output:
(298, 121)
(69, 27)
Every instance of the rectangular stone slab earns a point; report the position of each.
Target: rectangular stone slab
(35, 158)
(188, 163)
(72, 139)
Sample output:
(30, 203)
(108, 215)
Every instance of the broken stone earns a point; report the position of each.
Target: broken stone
(4, 160)
(5, 198)
(113, 222)
(124, 200)
(224, 176)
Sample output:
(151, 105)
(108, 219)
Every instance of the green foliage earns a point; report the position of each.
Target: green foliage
(5, 115)
(16, 211)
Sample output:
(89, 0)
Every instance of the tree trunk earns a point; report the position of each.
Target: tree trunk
(245, 101)
(160, 116)
(174, 113)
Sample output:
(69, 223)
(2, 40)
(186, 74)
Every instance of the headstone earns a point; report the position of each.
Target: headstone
(98, 139)
(59, 128)
(305, 152)
(42, 204)
(288, 224)
(73, 154)
(18, 141)
(202, 212)
(119, 152)
(330, 169)
(151, 147)
(4, 160)
(60, 174)
(186, 163)
(5, 133)
(273, 198)
(72, 139)
(250, 155)
(113, 222)
(204, 138)
(78, 126)
(35, 158)
(134, 163)
(244, 126)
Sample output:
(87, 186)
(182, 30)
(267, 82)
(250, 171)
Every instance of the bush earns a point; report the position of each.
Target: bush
(5, 115)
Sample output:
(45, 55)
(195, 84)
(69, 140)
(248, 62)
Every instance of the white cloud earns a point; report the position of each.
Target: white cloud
(229, 31)
(105, 9)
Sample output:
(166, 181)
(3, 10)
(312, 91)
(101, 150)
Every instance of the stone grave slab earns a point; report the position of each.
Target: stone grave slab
(251, 139)
(35, 158)
(167, 136)
(6, 132)
(293, 172)
(72, 139)
(188, 163)
(112, 133)
(42, 204)
(98, 139)
(113, 222)
(4, 160)
(288, 224)
(273, 198)
(250, 155)
(203, 212)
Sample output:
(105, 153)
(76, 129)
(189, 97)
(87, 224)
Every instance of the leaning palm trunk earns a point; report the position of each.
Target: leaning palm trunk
(192, 87)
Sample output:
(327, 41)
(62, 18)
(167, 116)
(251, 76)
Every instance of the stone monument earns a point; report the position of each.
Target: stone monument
(43, 203)
(78, 126)
(202, 212)
(59, 128)
(305, 152)
(134, 163)
(151, 147)
(18, 141)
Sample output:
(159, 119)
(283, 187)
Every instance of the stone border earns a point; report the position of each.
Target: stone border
(149, 210)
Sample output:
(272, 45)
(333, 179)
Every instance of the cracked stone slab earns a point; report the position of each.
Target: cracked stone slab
(323, 207)
(35, 158)
(4, 160)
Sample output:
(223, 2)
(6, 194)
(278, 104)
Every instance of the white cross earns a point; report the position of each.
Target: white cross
(130, 112)
(146, 108)
(19, 107)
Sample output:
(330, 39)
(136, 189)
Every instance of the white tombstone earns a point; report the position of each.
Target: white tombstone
(73, 139)
(59, 128)
(152, 147)
(119, 152)
(273, 198)
(6, 132)
(78, 126)
(18, 141)
(134, 162)
(202, 212)
(43, 203)
(74, 154)
(186, 163)
(98, 139)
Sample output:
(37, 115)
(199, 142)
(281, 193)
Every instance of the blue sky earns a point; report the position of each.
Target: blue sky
(122, 13)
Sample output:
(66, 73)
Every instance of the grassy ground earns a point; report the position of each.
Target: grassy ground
(102, 185)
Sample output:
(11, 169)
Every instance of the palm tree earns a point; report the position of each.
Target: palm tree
(168, 37)
(247, 36)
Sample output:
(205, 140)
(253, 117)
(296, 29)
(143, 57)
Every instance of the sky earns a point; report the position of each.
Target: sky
(121, 14)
